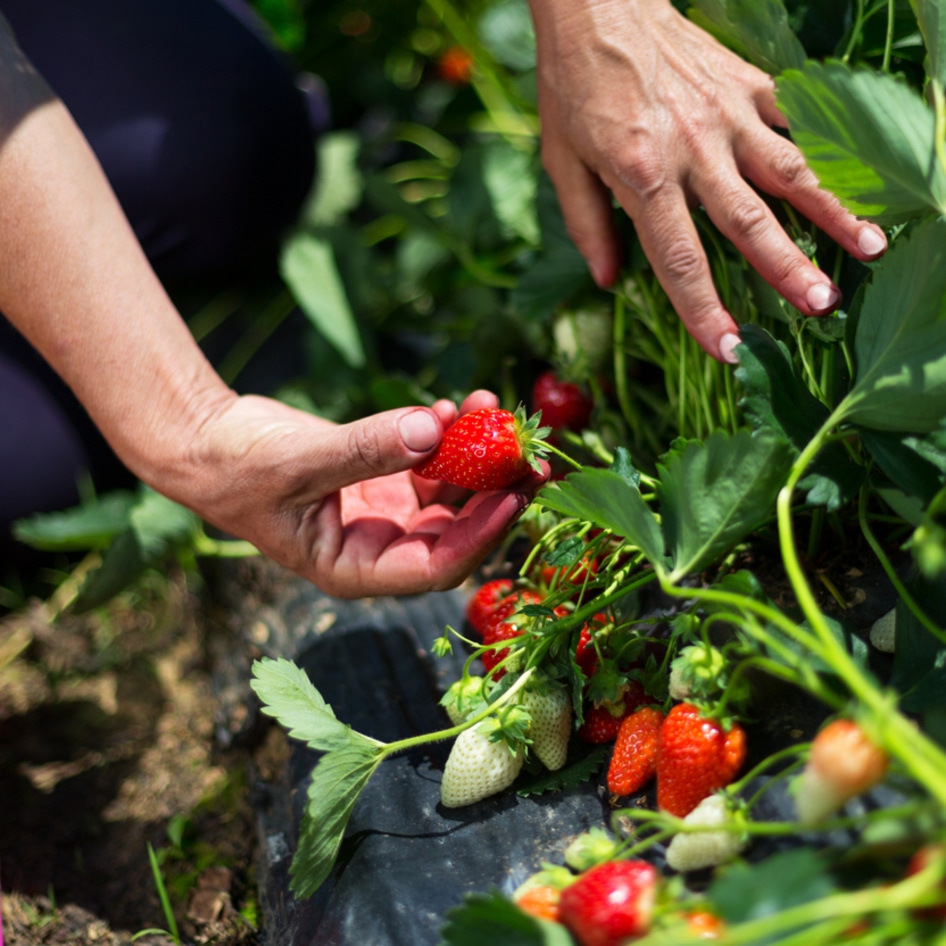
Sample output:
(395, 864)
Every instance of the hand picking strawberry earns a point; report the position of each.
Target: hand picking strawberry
(487, 449)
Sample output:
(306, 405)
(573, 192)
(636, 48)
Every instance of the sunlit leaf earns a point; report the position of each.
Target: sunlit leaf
(509, 175)
(756, 29)
(607, 500)
(868, 136)
(308, 266)
(289, 696)
(713, 494)
(900, 339)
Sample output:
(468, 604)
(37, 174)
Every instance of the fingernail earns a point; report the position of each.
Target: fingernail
(871, 242)
(822, 297)
(727, 348)
(419, 431)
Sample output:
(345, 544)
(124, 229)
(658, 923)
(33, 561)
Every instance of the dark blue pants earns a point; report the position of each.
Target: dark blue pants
(208, 144)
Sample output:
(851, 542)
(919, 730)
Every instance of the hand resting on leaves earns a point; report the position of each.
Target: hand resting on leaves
(639, 103)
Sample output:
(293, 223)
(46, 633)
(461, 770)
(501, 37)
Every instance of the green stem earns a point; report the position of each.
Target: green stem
(223, 548)
(888, 41)
(390, 748)
(888, 568)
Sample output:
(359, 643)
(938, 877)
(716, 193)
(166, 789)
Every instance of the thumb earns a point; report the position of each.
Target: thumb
(385, 443)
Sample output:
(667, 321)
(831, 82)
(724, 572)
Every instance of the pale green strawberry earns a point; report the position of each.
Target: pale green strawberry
(707, 848)
(478, 767)
(550, 707)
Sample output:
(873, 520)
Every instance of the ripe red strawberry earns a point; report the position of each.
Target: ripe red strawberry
(506, 622)
(585, 654)
(486, 599)
(843, 763)
(487, 449)
(564, 405)
(602, 721)
(634, 760)
(696, 756)
(610, 904)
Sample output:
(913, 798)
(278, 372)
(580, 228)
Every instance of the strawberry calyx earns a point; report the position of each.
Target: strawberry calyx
(531, 436)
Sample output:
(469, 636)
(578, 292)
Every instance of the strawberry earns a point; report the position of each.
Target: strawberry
(883, 632)
(611, 903)
(705, 925)
(634, 760)
(463, 698)
(540, 901)
(550, 707)
(921, 859)
(505, 624)
(843, 763)
(696, 756)
(563, 404)
(485, 600)
(602, 721)
(700, 849)
(477, 767)
(487, 449)
(455, 65)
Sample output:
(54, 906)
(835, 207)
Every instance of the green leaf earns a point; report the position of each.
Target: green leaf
(869, 137)
(776, 398)
(160, 524)
(713, 495)
(339, 186)
(287, 694)
(745, 892)
(510, 179)
(570, 778)
(900, 338)
(607, 500)
(92, 525)
(904, 463)
(756, 29)
(491, 918)
(932, 20)
(506, 31)
(122, 565)
(337, 781)
(308, 266)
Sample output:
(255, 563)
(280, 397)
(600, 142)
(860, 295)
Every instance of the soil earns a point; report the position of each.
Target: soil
(107, 746)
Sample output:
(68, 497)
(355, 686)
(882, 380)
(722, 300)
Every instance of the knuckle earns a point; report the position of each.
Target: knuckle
(365, 448)
(641, 167)
(747, 216)
(789, 170)
(683, 262)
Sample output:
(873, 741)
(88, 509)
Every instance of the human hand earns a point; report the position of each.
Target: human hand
(638, 102)
(338, 504)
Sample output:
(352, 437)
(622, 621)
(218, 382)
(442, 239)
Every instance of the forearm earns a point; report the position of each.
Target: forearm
(75, 282)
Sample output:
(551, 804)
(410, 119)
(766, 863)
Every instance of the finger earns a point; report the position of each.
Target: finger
(669, 239)
(384, 443)
(777, 167)
(587, 209)
(744, 217)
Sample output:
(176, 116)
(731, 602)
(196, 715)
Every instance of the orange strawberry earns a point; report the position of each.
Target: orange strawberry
(540, 901)
(634, 761)
(455, 65)
(696, 756)
(843, 763)
(487, 449)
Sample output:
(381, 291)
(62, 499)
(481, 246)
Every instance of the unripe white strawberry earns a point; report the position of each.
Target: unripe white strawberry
(551, 710)
(463, 698)
(706, 848)
(843, 763)
(883, 633)
(478, 767)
